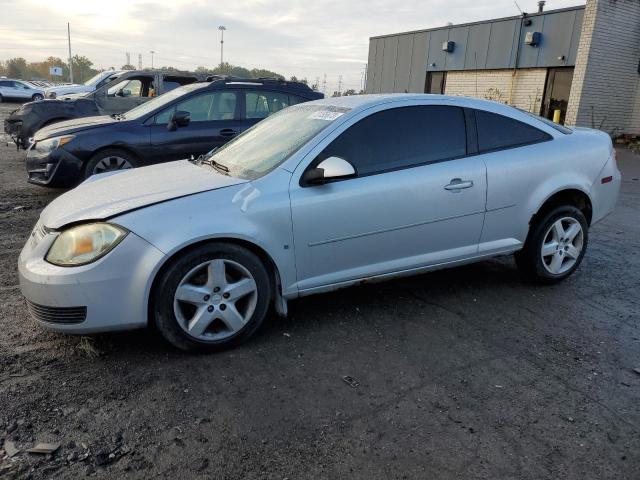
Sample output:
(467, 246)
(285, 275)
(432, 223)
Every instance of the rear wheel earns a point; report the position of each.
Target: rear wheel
(109, 160)
(556, 245)
(212, 298)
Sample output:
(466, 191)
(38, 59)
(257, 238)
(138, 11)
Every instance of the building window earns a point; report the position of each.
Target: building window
(435, 82)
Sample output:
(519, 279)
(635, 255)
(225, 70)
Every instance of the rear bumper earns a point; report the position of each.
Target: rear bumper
(56, 169)
(604, 196)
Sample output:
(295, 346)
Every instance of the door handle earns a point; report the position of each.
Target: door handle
(228, 132)
(458, 184)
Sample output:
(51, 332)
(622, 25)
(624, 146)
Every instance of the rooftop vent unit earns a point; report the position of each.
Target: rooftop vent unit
(533, 38)
(448, 46)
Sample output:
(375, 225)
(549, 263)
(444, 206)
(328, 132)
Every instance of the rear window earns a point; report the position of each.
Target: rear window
(497, 132)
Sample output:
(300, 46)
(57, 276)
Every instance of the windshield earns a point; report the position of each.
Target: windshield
(270, 142)
(93, 80)
(159, 102)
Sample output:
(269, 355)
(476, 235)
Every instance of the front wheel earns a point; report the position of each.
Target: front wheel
(109, 160)
(555, 246)
(212, 298)
(37, 97)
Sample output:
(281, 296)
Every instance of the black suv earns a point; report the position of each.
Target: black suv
(123, 92)
(187, 121)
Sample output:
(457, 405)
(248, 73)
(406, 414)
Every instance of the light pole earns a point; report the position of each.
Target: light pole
(152, 52)
(222, 28)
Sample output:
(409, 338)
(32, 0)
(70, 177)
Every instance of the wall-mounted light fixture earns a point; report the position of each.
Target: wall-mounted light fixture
(533, 38)
(448, 46)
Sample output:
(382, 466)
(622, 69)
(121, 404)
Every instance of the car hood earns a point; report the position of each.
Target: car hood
(106, 195)
(75, 88)
(72, 126)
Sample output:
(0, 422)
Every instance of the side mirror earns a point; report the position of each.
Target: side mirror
(179, 119)
(332, 168)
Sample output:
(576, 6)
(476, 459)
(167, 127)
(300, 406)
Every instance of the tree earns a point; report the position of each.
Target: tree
(17, 67)
(128, 66)
(351, 91)
(82, 68)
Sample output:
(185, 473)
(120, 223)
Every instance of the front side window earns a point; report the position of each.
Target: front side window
(132, 87)
(497, 132)
(205, 107)
(400, 138)
(261, 104)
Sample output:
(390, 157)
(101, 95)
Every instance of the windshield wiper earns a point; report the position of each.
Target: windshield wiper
(207, 160)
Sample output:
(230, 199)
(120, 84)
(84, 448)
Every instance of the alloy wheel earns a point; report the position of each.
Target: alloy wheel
(562, 245)
(111, 163)
(215, 300)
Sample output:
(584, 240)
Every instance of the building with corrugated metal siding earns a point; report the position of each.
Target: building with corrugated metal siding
(577, 66)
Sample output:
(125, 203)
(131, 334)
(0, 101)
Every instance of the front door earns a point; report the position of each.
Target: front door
(214, 121)
(126, 94)
(417, 199)
(556, 94)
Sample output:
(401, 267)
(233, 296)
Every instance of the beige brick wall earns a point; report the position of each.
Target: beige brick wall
(524, 90)
(605, 85)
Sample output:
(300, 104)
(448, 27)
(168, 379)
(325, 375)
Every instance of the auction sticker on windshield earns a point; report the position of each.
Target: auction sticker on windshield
(328, 115)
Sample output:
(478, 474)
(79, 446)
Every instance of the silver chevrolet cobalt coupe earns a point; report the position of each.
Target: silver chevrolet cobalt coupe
(317, 197)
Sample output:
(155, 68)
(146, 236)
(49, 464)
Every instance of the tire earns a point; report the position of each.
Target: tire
(37, 97)
(109, 160)
(1, 99)
(193, 303)
(564, 234)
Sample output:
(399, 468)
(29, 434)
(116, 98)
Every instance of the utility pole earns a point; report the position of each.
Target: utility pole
(339, 84)
(222, 28)
(128, 55)
(70, 57)
(366, 72)
(152, 52)
(324, 84)
(139, 61)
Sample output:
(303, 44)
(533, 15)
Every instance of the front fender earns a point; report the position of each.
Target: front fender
(249, 212)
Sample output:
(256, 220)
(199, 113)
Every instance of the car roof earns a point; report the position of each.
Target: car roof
(362, 102)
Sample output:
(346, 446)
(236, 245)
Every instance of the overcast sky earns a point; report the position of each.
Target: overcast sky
(294, 37)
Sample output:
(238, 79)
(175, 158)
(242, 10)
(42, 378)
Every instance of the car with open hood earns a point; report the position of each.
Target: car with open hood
(188, 121)
(123, 93)
(318, 196)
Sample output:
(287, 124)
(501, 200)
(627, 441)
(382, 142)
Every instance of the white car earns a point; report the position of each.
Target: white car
(90, 85)
(318, 196)
(19, 90)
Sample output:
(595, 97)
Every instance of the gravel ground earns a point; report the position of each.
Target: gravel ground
(464, 373)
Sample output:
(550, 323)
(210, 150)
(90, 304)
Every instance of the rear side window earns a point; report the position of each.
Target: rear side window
(401, 138)
(497, 132)
(261, 104)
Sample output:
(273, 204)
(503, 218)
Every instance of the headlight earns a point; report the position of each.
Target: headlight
(50, 144)
(84, 244)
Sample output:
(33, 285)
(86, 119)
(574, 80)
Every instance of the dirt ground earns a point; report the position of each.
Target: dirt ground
(464, 373)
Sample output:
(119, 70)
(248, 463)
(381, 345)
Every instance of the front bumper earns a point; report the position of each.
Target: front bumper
(56, 169)
(106, 295)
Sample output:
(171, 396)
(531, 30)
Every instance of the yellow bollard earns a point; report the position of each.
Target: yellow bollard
(556, 116)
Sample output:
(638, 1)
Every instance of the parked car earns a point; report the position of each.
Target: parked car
(320, 196)
(19, 90)
(188, 121)
(121, 94)
(95, 82)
